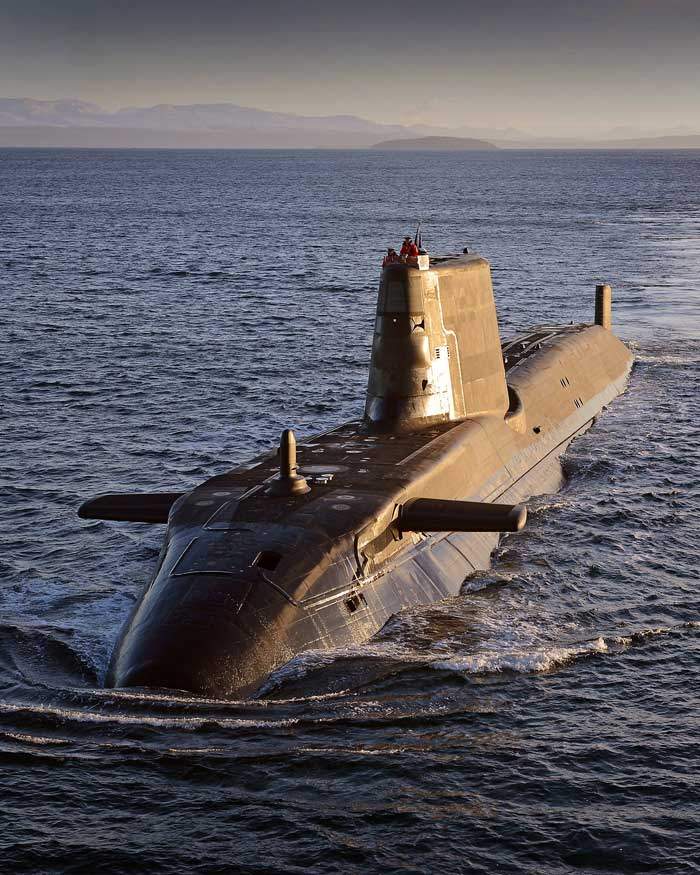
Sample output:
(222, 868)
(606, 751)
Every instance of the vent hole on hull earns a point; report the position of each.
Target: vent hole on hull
(267, 559)
(355, 602)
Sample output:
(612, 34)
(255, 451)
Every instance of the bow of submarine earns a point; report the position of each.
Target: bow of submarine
(220, 615)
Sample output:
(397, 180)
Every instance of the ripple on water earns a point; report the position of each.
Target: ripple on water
(543, 721)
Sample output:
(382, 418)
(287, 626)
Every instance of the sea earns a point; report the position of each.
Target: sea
(165, 314)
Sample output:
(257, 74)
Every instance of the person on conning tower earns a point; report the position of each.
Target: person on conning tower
(391, 257)
(408, 249)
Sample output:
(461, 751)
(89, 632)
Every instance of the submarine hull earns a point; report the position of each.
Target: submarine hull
(246, 580)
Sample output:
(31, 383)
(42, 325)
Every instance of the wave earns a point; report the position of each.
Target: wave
(523, 661)
(671, 359)
(93, 711)
(42, 657)
(548, 658)
(57, 715)
(505, 653)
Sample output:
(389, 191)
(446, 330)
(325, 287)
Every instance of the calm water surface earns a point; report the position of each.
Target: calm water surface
(165, 315)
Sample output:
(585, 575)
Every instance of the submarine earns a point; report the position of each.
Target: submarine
(316, 545)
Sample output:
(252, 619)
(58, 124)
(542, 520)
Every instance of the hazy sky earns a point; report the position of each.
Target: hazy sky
(549, 66)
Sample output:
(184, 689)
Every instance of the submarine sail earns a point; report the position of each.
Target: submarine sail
(317, 546)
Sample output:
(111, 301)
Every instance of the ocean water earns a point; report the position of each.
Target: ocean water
(165, 315)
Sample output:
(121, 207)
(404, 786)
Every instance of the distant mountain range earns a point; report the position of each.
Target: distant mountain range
(75, 123)
(669, 141)
(219, 125)
(435, 144)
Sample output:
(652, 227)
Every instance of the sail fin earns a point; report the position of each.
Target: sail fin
(436, 515)
(145, 507)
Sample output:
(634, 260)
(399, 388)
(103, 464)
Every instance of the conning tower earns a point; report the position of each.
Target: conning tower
(436, 353)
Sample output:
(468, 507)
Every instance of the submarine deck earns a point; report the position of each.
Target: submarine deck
(341, 465)
(524, 345)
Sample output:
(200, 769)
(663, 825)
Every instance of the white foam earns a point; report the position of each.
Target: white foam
(41, 740)
(668, 359)
(357, 751)
(146, 696)
(188, 723)
(519, 660)
(628, 640)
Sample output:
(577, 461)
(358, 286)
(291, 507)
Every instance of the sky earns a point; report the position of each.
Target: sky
(558, 68)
